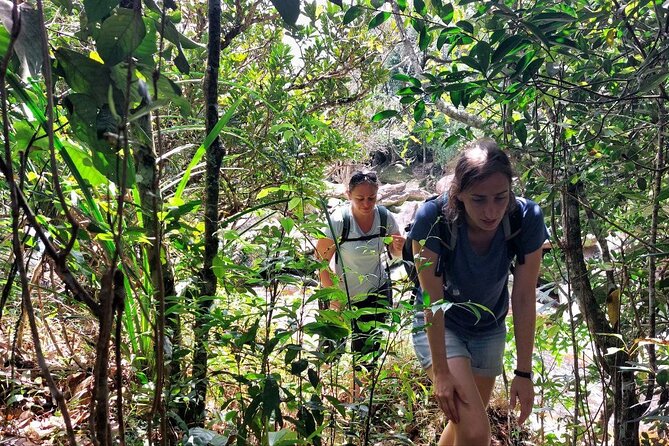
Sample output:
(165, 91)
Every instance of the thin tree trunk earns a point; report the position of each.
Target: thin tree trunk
(214, 158)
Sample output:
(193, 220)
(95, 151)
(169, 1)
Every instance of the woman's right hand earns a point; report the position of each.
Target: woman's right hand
(449, 394)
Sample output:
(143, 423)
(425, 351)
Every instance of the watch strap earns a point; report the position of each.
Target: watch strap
(520, 373)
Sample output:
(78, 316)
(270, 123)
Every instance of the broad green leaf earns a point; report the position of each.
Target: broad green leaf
(97, 10)
(532, 69)
(352, 13)
(337, 2)
(84, 163)
(289, 10)
(402, 4)
(482, 52)
(385, 114)
(4, 40)
(508, 46)
(520, 131)
(533, 29)
(419, 7)
(405, 78)
(446, 13)
(419, 111)
(148, 48)
(409, 91)
(270, 397)
(173, 35)
(662, 377)
(471, 62)
(120, 35)
(465, 26)
(83, 74)
(424, 39)
(378, 19)
(456, 97)
(284, 437)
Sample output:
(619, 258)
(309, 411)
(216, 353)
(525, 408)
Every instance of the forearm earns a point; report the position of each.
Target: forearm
(524, 302)
(435, 338)
(524, 325)
(325, 277)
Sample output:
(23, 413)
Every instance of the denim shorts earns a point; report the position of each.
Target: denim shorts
(485, 349)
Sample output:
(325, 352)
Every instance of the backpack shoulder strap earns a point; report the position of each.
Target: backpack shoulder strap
(383, 217)
(346, 224)
(513, 225)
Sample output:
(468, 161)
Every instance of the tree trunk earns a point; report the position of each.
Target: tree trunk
(214, 158)
(625, 398)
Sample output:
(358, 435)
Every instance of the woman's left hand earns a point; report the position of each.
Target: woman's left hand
(522, 391)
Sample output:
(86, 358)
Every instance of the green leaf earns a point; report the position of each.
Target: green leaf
(299, 366)
(446, 13)
(537, 32)
(385, 114)
(456, 97)
(173, 35)
(520, 131)
(424, 39)
(270, 397)
(4, 40)
(409, 91)
(405, 78)
(482, 52)
(352, 13)
(337, 2)
(419, 110)
(472, 62)
(465, 26)
(97, 10)
(532, 69)
(313, 378)
(662, 377)
(402, 4)
(83, 74)
(510, 45)
(120, 35)
(289, 10)
(378, 19)
(419, 7)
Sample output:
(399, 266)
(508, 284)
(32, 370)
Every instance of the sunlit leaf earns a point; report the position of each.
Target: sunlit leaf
(385, 114)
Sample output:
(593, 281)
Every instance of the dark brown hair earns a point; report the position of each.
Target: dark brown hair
(360, 177)
(479, 160)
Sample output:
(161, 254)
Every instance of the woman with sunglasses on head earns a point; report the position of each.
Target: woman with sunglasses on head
(462, 352)
(359, 266)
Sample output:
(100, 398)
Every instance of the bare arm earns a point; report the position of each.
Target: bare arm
(523, 302)
(325, 249)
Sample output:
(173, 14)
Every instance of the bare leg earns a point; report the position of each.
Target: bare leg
(478, 390)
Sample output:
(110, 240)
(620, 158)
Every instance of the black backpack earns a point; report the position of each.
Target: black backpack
(448, 234)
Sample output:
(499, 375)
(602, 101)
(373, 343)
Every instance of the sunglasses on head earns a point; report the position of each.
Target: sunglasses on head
(362, 177)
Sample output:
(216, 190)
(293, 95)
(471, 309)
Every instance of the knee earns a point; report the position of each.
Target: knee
(473, 435)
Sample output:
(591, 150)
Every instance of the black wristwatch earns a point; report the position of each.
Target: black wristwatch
(527, 375)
